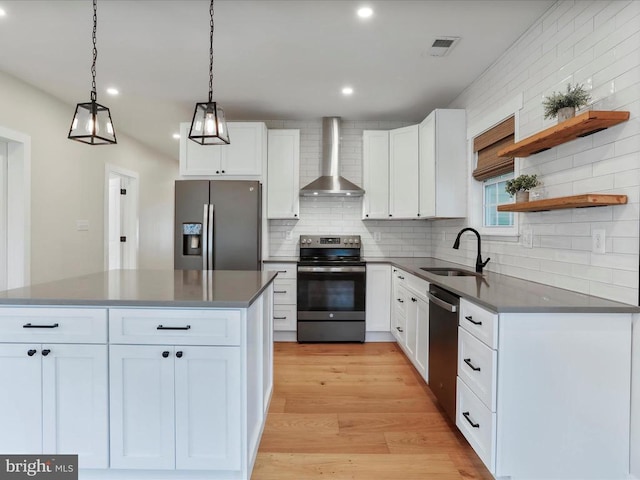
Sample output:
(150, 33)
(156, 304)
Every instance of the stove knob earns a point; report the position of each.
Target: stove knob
(357, 240)
(351, 240)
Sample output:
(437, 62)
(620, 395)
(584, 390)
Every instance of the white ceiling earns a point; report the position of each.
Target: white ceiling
(273, 59)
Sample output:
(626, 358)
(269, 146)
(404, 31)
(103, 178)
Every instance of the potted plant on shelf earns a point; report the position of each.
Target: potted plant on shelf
(520, 187)
(564, 105)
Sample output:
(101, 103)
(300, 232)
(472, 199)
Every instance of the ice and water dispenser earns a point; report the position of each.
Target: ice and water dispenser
(192, 239)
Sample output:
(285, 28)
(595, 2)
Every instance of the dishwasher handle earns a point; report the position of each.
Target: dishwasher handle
(441, 303)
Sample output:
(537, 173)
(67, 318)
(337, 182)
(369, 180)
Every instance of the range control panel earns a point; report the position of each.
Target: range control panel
(320, 241)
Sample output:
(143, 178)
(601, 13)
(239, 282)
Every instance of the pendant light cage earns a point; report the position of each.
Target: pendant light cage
(92, 122)
(209, 126)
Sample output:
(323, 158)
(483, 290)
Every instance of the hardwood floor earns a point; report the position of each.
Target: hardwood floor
(357, 411)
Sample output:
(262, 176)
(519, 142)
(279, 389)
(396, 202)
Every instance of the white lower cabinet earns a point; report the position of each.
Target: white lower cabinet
(285, 311)
(378, 298)
(535, 401)
(411, 318)
(175, 407)
(43, 406)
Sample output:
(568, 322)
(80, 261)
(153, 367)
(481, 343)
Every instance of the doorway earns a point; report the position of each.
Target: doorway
(121, 218)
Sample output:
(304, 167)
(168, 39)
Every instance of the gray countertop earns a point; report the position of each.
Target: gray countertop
(148, 288)
(502, 293)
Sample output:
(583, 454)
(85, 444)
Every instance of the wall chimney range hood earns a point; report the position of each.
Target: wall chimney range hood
(331, 184)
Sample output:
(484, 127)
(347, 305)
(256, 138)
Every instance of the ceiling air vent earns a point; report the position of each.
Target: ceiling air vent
(442, 46)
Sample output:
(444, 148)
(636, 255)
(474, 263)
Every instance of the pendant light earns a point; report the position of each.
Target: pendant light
(92, 122)
(208, 126)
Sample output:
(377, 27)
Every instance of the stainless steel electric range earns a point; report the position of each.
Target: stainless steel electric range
(331, 289)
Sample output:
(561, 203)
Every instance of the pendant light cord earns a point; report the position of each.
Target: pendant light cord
(210, 53)
(95, 51)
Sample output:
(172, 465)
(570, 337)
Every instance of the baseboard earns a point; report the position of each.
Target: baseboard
(379, 337)
(285, 336)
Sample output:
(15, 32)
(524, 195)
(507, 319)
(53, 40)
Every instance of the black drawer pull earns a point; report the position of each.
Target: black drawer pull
(468, 362)
(28, 325)
(400, 300)
(400, 277)
(162, 327)
(279, 318)
(165, 354)
(31, 352)
(470, 318)
(279, 291)
(413, 299)
(179, 354)
(399, 329)
(466, 415)
(281, 271)
(46, 352)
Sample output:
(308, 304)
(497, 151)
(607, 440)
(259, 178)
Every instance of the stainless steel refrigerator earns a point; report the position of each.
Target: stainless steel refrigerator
(217, 225)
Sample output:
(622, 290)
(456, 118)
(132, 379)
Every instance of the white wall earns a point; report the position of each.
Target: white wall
(596, 43)
(67, 185)
(336, 215)
(635, 400)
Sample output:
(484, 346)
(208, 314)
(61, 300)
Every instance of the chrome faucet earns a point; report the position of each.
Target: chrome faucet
(479, 263)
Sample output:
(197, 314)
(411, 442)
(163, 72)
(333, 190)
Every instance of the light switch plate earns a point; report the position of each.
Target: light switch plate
(526, 239)
(598, 240)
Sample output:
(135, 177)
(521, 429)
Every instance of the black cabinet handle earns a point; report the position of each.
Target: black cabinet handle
(279, 291)
(466, 415)
(165, 354)
(222, 171)
(162, 327)
(46, 352)
(28, 325)
(399, 329)
(295, 215)
(279, 318)
(400, 300)
(473, 367)
(218, 171)
(413, 299)
(31, 352)
(281, 271)
(470, 318)
(367, 215)
(179, 354)
(400, 277)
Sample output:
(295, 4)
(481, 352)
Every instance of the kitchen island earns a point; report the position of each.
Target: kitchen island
(144, 374)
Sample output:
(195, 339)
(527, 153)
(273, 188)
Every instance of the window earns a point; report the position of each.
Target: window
(494, 194)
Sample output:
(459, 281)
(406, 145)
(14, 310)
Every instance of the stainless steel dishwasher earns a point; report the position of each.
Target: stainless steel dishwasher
(443, 347)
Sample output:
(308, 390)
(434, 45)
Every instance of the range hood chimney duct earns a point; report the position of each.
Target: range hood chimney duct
(331, 183)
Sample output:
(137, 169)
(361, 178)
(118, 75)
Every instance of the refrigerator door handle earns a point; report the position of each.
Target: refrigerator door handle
(205, 233)
(210, 238)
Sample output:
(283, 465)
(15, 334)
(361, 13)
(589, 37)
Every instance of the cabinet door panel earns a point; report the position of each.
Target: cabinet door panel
(375, 174)
(243, 156)
(21, 399)
(403, 172)
(207, 393)
(378, 298)
(422, 338)
(196, 159)
(75, 412)
(283, 181)
(142, 406)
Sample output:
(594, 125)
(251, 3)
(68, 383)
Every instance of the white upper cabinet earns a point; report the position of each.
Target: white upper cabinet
(442, 140)
(403, 172)
(375, 174)
(244, 156)
(283, 179)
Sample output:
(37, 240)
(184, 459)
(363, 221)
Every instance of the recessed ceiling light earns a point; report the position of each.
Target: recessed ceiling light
(347, 91)
(176, 136)
(112, 91)
(365, 12)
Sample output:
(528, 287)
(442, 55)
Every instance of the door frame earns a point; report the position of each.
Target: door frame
(129, 258)
(18, 202)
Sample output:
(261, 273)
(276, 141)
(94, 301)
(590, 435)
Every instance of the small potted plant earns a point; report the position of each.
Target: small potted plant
(520, 187)
(564, 105)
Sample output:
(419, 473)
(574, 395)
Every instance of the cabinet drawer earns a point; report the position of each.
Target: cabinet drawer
(176, 327)
(481, 323)
(53, 325)
(418, 285)
(399, 301)
(284, 292)
(477, 367)
(285, 317)
(399, 328)
(285, 270)
(477, 424)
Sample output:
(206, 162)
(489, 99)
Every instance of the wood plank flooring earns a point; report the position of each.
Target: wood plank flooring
(357, 412)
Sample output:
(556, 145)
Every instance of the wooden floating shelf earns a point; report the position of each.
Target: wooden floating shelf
(586, 123)
(574, 201)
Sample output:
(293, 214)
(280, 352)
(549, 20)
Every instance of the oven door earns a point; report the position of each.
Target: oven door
(334, 293)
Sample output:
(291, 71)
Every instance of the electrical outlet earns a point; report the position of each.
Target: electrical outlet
(527, 238)
(598, 241)
(288, 235)
(377, 236)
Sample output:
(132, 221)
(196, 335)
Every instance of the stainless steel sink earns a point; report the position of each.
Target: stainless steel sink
(451, 272)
